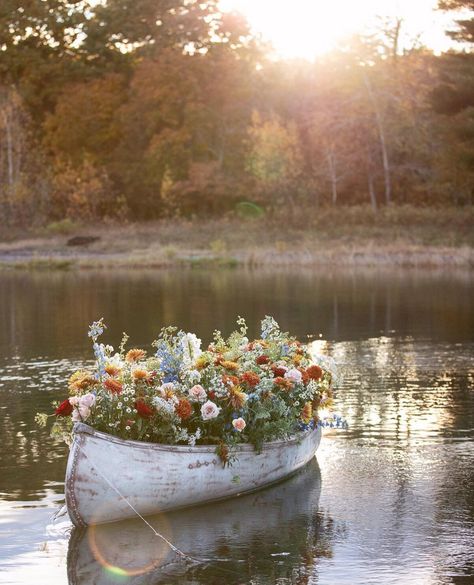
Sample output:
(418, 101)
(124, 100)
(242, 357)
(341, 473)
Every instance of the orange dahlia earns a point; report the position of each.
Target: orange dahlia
(114, 386)
(184, 409)
(230, 380)
(283, 383)
(314, 372)
(140, 375)
(135, 355)
(304, 375)
(251, 378)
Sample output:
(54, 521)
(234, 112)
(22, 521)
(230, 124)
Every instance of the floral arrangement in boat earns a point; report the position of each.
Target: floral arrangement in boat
(235, 391)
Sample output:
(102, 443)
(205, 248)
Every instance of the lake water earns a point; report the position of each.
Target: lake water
(389, 501)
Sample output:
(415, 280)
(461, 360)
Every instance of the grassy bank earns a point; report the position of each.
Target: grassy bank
(399, 236)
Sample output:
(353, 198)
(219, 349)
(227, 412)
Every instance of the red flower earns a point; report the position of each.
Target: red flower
(314, 372)
(113, 386)
(251, 378)
(279, 371)
(143, 409)
(262, 359)
(184, 409)
(211, 394)
(64, 409)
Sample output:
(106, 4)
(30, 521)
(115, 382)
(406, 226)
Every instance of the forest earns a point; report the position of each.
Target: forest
(137, 109)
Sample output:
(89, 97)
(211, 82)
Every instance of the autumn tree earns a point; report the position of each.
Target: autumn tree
(453, 100)
(275, 159)
(23, 197)
(465, 25)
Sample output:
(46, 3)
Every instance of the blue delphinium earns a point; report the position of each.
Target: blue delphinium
(99, 352)
(170, 360)
(334, 421)
(96, 329)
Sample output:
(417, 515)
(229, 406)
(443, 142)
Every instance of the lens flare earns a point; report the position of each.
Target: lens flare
(126, 549)
(117, 572)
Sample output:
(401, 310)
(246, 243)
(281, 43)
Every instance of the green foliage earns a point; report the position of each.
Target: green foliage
(63, 227)
(249, 210)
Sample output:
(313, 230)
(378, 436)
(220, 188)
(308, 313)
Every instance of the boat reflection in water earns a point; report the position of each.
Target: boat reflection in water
(273, 533)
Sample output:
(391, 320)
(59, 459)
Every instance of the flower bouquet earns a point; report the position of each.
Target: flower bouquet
(234, 391)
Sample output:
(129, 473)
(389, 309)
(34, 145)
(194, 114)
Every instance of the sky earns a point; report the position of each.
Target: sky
(308, 28)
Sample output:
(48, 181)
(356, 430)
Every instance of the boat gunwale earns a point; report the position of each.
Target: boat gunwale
(81, 428)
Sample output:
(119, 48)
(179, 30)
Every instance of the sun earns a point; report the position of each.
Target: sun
(309, 28)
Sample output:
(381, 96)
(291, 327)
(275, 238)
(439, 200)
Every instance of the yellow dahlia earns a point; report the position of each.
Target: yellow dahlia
(81, 380)
(229, 365)
(236, 397)
(307, 412)
(202, 362)
(112, 370)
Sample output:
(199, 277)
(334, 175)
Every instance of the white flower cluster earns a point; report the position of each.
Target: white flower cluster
(165, 406)
(191, 348)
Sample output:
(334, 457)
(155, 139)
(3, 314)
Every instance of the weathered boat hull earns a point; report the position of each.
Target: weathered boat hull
(254, 533)
(107, 478)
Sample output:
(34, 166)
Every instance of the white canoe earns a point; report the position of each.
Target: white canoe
(108, 478)
(254, 533)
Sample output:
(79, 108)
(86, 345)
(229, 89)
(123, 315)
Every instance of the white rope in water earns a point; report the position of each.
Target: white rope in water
(174, 548)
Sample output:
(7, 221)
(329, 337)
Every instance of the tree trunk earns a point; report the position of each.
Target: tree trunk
(8, 132)
(373, 197)
(383, 142)
(333, 175)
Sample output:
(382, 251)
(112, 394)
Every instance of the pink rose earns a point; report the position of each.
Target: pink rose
(88, 400)
(239, 424)
(294, 376)
(209, 410)
(198, 393)
(81, 413)
(74, 400)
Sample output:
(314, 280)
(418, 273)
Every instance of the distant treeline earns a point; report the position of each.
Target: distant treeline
(140, 109)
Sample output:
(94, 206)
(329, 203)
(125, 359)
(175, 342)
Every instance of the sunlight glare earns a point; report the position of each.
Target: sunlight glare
(308, 28)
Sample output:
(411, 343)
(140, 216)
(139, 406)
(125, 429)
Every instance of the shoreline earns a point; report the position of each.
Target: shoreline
(371, 255)
(395, 237)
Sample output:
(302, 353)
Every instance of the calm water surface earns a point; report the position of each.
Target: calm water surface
(390, 501)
